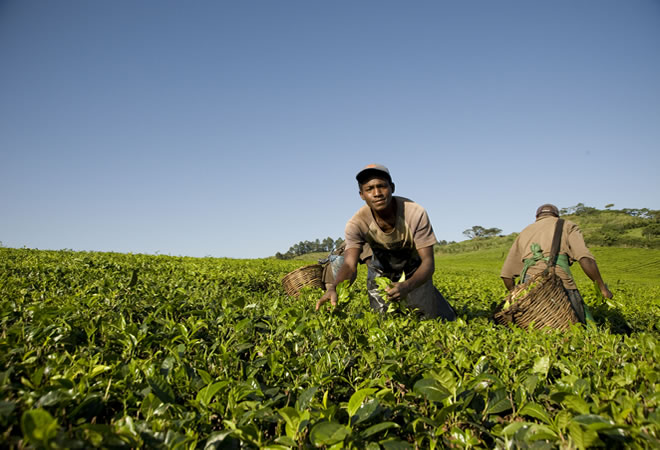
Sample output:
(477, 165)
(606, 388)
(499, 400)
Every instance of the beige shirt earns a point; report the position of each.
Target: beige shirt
(541, 232)
(412, 230)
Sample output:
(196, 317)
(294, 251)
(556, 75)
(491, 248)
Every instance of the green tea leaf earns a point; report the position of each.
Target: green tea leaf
(539, 432)
(217, 440)
(356, 400)
(285, 441)
(536, 411)
(205, 376)
(601, 425)
(446, 379)
(6, 409)
(366, 411)
(99, 369)
(292, 419)
(541, 365)
(206, 394)
(39, 427)
(396, 444)
(580, 437)
(431, 389)
(530, 382)
(383, 283)
(513, 428)
(576, 404)
(161, 389)
(343, 292)
(374, 429)
(306, 397)
(328, 433)
(480, 366)
(499, 406)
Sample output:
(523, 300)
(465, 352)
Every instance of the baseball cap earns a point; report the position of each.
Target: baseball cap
(547, 208)
(373, 169)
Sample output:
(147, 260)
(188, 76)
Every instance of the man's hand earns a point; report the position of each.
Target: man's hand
(605, 291)
(508, 282)
(347, 271)
(397, 291)
(330, 294)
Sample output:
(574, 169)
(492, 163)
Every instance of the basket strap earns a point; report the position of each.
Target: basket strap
(556, 242)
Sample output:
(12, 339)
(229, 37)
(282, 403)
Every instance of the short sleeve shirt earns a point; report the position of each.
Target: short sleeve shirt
(396, 251)
(542, 232)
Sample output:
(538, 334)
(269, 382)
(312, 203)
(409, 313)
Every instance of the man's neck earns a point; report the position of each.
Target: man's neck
(545, 216)
(386, 219)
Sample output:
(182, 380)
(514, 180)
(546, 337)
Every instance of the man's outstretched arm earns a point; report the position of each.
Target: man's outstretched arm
(347, 271)
(590, 267)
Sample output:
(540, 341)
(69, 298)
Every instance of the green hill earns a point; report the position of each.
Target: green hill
(478, 244)
(619, 228)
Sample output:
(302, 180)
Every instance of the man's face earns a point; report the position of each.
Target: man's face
(377, 193)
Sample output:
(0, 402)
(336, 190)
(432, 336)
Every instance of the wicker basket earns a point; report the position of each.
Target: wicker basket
(310, 276)
(542, 300)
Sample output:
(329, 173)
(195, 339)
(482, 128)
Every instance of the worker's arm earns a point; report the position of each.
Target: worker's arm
(347, 271)
(590, 267)
(508, 282)
(423, 274)
(512, 266)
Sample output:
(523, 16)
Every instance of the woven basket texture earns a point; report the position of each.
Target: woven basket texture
(546, 304)
(310, 276)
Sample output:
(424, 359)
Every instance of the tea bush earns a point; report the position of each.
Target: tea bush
(125, 351)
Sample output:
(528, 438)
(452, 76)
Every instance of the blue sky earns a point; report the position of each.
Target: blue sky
(235, 128)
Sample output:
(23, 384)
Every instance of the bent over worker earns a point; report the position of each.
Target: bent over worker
(530, 252)
(401, 239)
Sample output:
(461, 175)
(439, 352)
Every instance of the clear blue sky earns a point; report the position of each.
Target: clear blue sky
(235, 128)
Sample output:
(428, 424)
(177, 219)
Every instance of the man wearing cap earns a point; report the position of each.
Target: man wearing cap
(530, 251)
(401, 239)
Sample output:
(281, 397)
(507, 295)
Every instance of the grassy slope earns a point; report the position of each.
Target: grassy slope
(616, 264)
(486, 256)
(311, 256)
(591, 224)
(615, 228)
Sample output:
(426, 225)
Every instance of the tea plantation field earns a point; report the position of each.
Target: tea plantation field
(128, 351)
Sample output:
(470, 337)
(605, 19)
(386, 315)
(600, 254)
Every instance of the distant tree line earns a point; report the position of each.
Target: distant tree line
(630, 227)
(303, 247)
(581, 210)
(478, 231)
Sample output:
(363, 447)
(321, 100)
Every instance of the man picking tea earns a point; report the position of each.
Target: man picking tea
(401, 238)
(530, 251)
